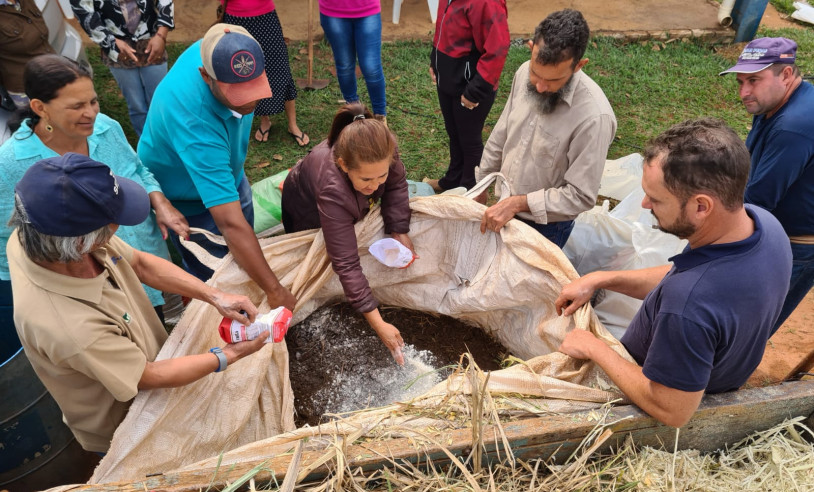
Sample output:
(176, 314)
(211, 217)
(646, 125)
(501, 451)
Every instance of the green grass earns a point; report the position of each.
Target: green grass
(784, 6)
(650, 85)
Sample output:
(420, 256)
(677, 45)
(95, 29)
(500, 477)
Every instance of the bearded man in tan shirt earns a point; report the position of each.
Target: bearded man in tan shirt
(552, 139)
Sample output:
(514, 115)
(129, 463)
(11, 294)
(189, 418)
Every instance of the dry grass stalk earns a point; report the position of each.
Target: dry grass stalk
(293, 469)
(777, 459)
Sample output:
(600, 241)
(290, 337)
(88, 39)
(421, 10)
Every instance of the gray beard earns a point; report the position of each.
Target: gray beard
(546, 102)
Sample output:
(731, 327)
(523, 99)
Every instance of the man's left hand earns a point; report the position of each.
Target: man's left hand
(282, 297)
(496, 216)
(578, 344)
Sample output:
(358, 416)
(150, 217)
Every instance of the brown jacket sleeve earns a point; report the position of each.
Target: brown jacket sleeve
(396, 199)
(340, 243)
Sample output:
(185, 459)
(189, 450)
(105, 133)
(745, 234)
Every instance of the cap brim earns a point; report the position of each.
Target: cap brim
(246, 92)
(747, 68)
(136, 202)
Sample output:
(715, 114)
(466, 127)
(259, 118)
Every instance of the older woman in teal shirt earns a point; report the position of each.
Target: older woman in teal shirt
(63, 116)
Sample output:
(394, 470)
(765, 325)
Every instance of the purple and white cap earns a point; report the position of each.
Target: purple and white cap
(762, 53)
(235, 60)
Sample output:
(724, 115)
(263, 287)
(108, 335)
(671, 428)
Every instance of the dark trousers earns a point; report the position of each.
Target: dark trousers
(465, 130)
(556, 232)
(205, 221)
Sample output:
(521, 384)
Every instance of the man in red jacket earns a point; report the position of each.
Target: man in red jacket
(469, 50)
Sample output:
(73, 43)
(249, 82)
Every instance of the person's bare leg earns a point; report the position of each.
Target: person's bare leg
(262, 133)
(300, 136)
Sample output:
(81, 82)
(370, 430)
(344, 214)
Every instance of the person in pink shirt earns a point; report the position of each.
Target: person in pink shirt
(259, 17)
(354, 30)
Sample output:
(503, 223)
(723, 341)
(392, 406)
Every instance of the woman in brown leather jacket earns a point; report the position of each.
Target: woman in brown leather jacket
(335, 185)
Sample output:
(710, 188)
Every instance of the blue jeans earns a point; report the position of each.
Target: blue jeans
(556, 232)
(360, 37)
(802, 279)
(138, 85)
(207, 222)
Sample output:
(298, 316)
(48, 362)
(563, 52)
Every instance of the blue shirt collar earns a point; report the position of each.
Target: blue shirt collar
(691, 258)
(27, 145)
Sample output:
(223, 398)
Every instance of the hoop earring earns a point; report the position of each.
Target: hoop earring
(49, 128)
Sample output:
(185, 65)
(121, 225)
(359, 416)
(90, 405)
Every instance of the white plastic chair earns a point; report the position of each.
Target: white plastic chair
(432, 4)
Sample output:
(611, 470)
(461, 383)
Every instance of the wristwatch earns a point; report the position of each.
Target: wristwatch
(221, 358)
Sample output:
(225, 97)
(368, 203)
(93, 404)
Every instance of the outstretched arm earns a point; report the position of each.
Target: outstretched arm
(179, 371)
(243, 245)
(669, 406)
(633, 283)
(168, 277)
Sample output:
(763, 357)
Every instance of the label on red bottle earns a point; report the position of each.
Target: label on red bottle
(275, 322)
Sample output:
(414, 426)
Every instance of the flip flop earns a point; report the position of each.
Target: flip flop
(300, 139)
(264, 134)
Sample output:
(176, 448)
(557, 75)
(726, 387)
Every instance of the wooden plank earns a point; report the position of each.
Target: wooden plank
(720, 420)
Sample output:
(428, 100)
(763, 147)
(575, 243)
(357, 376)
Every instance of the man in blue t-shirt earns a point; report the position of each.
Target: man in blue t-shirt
(782, 146)
(195, 142)
(706, 318)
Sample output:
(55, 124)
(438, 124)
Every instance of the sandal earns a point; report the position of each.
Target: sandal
(300, 139)
(264, 134)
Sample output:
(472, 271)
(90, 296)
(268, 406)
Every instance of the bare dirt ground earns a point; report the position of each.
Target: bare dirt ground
(193, 17)
(794, 339)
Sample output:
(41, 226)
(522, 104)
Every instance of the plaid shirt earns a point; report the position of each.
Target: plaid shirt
(104, 22)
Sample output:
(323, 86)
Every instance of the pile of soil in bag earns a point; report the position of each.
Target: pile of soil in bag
(338, 364)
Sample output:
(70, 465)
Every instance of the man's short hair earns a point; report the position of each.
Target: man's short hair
(776, 69)
(702, 156)
(43, 247)
(564, 36)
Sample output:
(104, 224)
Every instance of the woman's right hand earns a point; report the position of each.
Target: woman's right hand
(392, 340)
(125, 50)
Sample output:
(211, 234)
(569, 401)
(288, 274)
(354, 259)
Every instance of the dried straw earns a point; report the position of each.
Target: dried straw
(778, 459)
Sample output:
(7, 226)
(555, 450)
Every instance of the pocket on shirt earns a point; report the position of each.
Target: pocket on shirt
(11, 30)
(544, 148)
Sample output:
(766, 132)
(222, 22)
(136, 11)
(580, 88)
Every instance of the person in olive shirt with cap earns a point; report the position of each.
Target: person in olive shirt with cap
(80, 311)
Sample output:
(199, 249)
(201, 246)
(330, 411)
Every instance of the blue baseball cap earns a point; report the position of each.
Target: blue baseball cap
(232, 57)
(72, 195)
(762, 53)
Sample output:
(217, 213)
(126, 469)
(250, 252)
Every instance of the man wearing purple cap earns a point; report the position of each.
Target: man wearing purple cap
(83, 318)
(781, 143)
(195, 143)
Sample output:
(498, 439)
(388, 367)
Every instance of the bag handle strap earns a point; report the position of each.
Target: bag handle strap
(213, 261)
(486, 182)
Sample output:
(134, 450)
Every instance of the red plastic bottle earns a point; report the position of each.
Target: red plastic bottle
(275, 321)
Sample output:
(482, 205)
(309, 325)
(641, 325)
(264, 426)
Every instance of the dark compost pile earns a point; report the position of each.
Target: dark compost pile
(338, 364)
